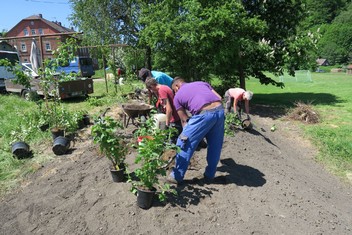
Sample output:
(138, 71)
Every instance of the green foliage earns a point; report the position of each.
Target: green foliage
(322, 11)
(49, 83)
(20, 77)
(30, 122)
(345, 16)
(150, 160)
(334, 20)
(191, 38)
(105, 22)
(94, 101)
(111, 143)
(233, 40)
(232, 122)
(336, 43)
(26, 129)
(146, 129)
(68, 120)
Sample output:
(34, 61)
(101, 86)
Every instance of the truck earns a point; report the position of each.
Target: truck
(7, 52)
(79, 65)
(82, 86)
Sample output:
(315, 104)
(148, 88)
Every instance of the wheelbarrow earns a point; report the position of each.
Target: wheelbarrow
(135, 110)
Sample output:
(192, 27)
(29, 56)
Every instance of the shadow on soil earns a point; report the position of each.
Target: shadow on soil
(190, 194)
(255, 132)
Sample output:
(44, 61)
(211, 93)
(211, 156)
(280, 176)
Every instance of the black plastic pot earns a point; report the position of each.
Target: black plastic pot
(145, 198)
(20, 149)
(44, 127)
(55, 132)
(61, 145)
(86, 119)
(81, 124)
(118, 175)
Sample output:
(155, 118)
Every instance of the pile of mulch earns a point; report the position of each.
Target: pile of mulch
(304, 113)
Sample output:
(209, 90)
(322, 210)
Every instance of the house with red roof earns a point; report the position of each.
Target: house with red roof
(48, 35)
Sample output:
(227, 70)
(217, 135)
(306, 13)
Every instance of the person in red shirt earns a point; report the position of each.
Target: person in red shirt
(165, 103)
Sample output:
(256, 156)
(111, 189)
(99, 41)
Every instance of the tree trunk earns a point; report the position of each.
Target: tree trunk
(148, 58)
(241, 72)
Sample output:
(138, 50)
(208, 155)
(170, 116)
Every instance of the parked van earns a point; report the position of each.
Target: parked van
(82, 65)
(10, 53)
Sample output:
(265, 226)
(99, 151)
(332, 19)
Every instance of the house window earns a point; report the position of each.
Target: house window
(25, 31)
(33, 31)
(47, 46)
(40, 31)
(23, 47)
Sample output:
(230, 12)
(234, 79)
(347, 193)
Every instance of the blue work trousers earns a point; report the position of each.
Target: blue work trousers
(208, 124)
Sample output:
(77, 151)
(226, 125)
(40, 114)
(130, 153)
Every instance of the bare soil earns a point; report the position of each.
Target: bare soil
(267, 183)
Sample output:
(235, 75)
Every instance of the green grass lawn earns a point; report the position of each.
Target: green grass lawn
(330, 94)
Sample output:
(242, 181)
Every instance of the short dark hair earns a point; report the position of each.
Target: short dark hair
(144, 73)
(150, 81)
(177, 80)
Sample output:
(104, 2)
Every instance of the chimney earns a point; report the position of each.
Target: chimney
(40, 16)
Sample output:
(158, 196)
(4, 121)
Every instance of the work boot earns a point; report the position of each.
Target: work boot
(202, 179)
(172, 181)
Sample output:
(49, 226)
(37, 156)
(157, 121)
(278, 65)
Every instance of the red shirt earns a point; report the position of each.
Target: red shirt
(166, 93)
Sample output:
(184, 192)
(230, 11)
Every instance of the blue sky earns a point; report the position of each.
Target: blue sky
(13, 11)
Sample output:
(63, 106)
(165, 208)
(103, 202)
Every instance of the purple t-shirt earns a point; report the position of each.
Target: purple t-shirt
(193, 96)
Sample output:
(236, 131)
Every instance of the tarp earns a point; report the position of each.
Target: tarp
(35, 57)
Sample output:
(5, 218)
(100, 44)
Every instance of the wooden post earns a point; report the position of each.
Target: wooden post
(106, 81)
(114, 72)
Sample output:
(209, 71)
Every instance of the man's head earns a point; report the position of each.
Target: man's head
(151, 84)
(247, 95)
(176, 83)
(144, 73)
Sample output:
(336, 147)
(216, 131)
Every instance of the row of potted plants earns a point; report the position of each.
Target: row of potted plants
(40, 120)
(52, 114)
(108, 134)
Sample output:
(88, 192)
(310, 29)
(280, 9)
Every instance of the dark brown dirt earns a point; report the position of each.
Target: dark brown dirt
(267, 183)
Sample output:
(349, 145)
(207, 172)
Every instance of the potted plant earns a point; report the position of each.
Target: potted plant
(49, 84)
(151, 165)
(19, 147)
(81, 118)
(111, 144)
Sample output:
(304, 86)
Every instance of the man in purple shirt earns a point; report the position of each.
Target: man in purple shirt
(207, 120)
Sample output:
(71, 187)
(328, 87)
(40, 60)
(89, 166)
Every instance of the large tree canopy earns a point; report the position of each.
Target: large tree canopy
(230, 39)
(105, 21)
(336, 42)
(227, 38)
(322, 11)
